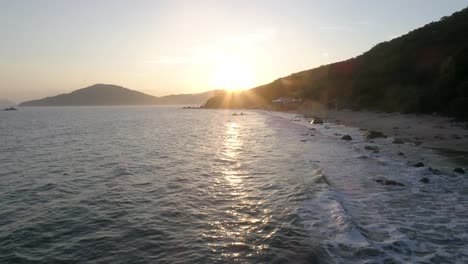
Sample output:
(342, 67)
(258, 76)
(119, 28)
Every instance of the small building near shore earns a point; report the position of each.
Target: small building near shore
(286, 103)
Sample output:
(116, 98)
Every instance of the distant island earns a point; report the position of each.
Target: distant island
(424, 71)
(108, 95)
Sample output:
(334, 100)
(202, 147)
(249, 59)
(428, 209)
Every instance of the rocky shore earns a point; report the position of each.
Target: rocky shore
(432, 131)
(434, 145)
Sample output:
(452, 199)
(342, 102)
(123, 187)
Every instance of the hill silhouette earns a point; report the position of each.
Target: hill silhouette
(423, 71)
(198, 98)
(108, 94)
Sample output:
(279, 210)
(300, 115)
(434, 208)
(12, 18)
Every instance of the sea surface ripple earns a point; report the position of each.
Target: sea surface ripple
(167, 185)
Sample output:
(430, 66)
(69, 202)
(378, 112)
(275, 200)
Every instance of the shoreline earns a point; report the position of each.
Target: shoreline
(381, 163)
(440, 134)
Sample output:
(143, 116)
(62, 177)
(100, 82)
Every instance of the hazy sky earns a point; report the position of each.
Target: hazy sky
(164, 47)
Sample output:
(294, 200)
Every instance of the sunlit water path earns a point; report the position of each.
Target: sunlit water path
(166, 185)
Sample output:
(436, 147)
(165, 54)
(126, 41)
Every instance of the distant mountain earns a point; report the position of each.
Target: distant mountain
(183, 99)
(423, 71)
(4, 103)
(108, 94)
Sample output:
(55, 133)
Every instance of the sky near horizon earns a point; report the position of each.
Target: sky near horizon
(49, 47)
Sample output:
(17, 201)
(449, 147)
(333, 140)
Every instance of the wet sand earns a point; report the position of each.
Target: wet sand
(441, 133)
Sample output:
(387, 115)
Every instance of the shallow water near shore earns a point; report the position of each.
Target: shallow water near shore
(458, 157)
(166, 185)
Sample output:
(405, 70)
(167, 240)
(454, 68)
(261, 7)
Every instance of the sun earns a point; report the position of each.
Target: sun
(232, 75)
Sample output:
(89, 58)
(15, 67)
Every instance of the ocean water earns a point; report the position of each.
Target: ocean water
(167, 185)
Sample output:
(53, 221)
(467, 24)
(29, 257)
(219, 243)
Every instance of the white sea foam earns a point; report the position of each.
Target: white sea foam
(369, 222)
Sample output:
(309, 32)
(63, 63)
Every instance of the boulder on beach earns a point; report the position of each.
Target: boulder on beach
(435, 171)
(346, 137)
(389, 182)
(316, 121)
(418, 165)
(459, 170)
(424, 180)
(374, 134)
(373, 148)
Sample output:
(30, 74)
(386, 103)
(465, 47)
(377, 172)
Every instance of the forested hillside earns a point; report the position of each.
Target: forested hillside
(423, 71)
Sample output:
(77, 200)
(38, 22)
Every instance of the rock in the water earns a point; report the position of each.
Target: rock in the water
(416, 143)
(373, 148)
(398, 141)
(459, 170)
(374, 134)
(389, 182)
(435, 171)
(400, 153)
(346, 137)
(316, 121)
(418, 165)
(424, 180)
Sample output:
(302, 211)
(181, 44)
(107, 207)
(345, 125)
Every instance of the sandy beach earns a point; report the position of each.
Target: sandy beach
(430, 131)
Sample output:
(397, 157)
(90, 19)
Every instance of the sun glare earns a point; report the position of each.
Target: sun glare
(232, 75)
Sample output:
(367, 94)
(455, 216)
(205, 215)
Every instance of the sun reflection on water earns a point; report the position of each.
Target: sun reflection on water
(240, 220)
(232, 141)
